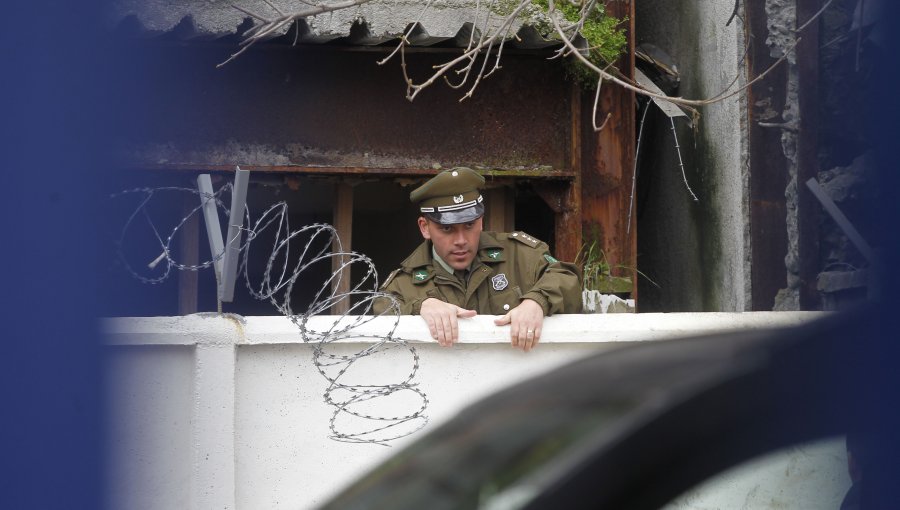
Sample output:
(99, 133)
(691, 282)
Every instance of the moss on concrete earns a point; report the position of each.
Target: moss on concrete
(605, 40)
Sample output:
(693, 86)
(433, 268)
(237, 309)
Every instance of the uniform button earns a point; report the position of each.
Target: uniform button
(505, 307)
(455, 173)
(515, 234)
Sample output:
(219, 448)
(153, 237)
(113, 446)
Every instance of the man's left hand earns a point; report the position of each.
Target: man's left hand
(526, 320)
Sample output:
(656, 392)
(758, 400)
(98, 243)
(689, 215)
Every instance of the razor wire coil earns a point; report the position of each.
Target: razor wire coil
(285, 264)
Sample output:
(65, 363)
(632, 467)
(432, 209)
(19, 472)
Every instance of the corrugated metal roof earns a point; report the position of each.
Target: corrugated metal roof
(444, 22)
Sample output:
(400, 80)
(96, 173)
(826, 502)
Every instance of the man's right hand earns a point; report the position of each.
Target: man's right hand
(441, 319)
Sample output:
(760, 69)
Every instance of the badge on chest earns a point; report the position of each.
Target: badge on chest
(499, 282)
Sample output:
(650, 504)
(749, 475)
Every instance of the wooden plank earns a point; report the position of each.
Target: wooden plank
(608, 163)
(496, 211)
(838, 216)
(189, 254)
(560, 199)
(343, 223)
(510, 216)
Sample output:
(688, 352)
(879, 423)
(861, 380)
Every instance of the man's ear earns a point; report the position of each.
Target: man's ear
(423, 227)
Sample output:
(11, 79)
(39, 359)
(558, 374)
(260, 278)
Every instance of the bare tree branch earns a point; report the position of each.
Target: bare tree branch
(492, 33)
(270, 25)
(815, 16)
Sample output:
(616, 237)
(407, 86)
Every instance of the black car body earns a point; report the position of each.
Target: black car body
(635, 427)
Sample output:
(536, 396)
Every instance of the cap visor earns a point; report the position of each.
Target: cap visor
(453, 217)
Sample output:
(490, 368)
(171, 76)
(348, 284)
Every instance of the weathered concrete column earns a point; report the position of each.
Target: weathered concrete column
(212, 483)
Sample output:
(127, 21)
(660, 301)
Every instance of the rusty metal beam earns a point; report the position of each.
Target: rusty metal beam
(568, 223)
(553, 174)
(343, 223)
(607, 163)
(561, 199)
(807, 155)
(336, 112)
(189, 239)
(768, 165)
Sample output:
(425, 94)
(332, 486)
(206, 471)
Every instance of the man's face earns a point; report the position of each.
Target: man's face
(457, 244)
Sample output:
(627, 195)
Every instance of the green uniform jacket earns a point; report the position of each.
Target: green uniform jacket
(508, 268)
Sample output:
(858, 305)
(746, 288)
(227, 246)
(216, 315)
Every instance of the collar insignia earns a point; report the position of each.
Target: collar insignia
(420, 275)
(550, 258)
(493, 254)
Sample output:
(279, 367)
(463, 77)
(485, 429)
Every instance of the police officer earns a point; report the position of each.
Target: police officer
(460, 271)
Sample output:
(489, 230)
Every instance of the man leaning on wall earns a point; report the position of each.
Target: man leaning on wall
(460, 270)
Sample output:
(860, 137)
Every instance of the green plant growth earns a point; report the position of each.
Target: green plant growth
(596, 272)
(605, 40)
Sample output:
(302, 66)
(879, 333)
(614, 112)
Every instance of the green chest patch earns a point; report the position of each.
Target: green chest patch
(420, 275)
(550, 258)
(494, 253)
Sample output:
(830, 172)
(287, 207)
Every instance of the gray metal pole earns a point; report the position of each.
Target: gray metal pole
(211, 217)
(235, 222)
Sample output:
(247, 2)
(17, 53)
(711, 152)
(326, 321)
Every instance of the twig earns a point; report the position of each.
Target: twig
(681, 162)
(276, 9)
(594, 111)
(675, 100)
(816, 15)
(269, 26)
(405, 37)
(486, 42)
(734, 13)
(637, 152)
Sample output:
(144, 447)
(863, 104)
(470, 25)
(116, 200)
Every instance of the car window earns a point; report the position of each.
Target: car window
(808, 475)
(486, 464)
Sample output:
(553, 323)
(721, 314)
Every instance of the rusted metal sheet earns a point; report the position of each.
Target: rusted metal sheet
(807, 155)
(303, 108)
(335, 113)
(608, 160)
(768, 166)
(564, 198)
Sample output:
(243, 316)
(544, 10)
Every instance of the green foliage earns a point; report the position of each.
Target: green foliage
(596, 272)
(606, 41)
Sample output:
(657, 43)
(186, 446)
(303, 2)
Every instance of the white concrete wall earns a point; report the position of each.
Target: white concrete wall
(227, 412)
(698, 252)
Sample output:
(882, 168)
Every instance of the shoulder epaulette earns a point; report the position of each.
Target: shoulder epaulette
(524, 238)
(390, 277)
